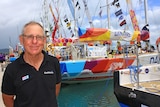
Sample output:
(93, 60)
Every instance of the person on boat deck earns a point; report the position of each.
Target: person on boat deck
(119, 47)
(33, 79)
(147, 46)
(139, 47)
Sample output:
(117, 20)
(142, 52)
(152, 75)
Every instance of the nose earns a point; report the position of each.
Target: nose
(34, 39)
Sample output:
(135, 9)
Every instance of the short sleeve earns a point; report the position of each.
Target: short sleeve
(58, 72)
(8, 82)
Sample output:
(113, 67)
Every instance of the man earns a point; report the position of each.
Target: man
(119, 47)
(33, 79)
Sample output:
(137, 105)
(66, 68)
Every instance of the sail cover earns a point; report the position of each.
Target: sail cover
(100, 34)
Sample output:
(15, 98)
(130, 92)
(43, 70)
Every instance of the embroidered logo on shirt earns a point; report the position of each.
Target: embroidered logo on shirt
(48, 72)
(25, 77)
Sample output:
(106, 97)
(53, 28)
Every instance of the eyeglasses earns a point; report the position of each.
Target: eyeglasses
(31, 37)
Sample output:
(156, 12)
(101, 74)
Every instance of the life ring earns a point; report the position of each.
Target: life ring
(158, 44)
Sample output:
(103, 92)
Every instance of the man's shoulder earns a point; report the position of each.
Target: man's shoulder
(15, 64)
(50, 57)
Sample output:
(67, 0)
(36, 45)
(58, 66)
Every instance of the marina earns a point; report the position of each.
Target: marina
(100, 66)
(86, 53)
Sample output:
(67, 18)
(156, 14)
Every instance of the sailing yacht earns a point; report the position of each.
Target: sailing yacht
(79, 60)
(84, 55)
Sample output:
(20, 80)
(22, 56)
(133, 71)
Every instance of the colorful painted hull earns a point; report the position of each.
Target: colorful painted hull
(97, 69)
(100, 69)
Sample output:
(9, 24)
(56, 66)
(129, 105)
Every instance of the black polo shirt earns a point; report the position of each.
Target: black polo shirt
(32, 88)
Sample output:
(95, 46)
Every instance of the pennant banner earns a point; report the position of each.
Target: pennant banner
(119, 13)
(68, 24)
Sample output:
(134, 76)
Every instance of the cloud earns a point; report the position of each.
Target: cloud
(14, 14)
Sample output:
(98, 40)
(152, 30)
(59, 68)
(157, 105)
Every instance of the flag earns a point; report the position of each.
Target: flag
(77, 5)
(100, 13)
(114, 2)
(68, 23)
(146, 27)
(119, 12)
(123, 23)
(117, 5)
(145, 32)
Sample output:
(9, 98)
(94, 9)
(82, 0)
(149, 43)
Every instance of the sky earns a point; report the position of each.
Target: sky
(15, 13)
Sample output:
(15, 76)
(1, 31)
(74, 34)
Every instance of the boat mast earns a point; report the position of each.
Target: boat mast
(75, 20)
(146, 14)
(146, 20)
(56, 20)
(44, 19)
(45, 22)
(108, 13)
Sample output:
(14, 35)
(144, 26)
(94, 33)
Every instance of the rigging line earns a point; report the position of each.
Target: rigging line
(83, 15)
(82, 19)
(58, 11)
(88, 13)
(106, 5)
(97, 7)
(70, 19)
(56, 5)
(66, 8)
(101, 21)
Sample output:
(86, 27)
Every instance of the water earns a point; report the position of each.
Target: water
(94, 94)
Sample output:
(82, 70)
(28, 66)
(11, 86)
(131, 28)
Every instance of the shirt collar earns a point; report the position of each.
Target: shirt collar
(46, 58)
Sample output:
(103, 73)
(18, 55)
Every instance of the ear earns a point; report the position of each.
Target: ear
(45, 39)
(21, 39)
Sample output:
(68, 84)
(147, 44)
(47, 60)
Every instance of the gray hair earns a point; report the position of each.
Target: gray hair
(32, 23)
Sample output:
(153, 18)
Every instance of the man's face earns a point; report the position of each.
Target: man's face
(33, 39)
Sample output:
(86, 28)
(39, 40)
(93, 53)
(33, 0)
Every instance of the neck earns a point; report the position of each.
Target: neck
(34, 60)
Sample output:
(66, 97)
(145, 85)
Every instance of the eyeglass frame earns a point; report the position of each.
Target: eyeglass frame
(31, 37)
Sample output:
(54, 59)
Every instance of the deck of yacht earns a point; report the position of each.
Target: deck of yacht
(148, 86)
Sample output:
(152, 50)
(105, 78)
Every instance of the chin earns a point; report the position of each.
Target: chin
(35, 52)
